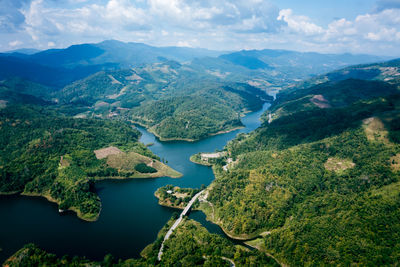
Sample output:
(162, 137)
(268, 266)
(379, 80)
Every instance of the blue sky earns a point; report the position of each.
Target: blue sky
(328, 26)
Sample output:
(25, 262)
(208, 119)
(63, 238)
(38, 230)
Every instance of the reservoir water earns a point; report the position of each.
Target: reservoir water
(130, 217)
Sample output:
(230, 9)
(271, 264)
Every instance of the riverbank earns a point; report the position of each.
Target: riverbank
(196, 159)
(130, 202)
(174, 197)
(164, 139)
(86, 217)
(9, 193)
(92, 217)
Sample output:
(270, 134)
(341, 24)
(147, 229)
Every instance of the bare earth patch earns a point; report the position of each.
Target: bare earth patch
(113, 80)
(3, 103)
(395, 162)
(338, 165)
(122, 92)
(206, 156)
(64, 162)
(127, 162)
(320, 101)
(134, 77)
(105, 152)
(375, 130)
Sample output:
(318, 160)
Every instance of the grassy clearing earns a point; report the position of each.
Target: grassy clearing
(338, 165)
(395, 162)
(126, 162)
(375, 130)
(105, 152)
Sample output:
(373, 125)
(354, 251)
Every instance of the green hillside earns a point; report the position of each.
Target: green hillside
(174, 101)
(191, 245)
(388, 71)
(319, 184)
(46, 154)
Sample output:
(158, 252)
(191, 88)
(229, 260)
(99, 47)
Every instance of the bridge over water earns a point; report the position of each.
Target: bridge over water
(177, 222)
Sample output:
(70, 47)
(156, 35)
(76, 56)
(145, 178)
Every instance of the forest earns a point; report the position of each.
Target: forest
(47, 154)
(307, 182)
(191, 245)
(173, 101)
(316, 184)
(174, 196)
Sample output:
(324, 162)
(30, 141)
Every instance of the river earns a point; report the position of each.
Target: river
(130, 217)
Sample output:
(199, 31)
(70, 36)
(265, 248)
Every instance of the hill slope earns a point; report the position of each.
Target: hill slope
(46, 154)
(319, 184)
(174, 101)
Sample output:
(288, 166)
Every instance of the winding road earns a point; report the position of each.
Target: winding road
(177, 222)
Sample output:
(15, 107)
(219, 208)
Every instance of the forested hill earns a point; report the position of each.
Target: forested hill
(388, 71)
(320, 183)
(199, 92)
(174, 101)
(44, 153)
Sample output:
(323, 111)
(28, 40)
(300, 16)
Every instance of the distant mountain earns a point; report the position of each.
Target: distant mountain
(59, 67)
(123, 54)
(25, 51)
(266, 69)
(310, 62)
(388, 71)
(53, 76)
(274, 70)
(19, 91)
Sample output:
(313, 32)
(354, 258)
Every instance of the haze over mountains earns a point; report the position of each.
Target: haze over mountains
(113, 79)
(78, 61)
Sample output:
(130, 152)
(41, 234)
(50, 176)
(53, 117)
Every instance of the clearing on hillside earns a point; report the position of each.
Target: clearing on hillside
(320, 101)
(126, 162)
(375, 130)
(338, 165)
(105, 152)
(395, 162)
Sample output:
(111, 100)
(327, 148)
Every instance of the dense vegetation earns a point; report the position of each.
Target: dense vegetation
(43, 153)
(175, 197)
(319, 183)
(191, 245)
(143, 168)
(386, 71)
(172, 100)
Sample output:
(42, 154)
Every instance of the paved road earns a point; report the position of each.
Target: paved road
(177, 222)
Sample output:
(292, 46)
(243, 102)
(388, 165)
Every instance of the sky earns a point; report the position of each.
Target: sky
(327, 26)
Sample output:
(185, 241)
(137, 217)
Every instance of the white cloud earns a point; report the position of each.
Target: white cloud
(299, 24)
(225, 25)
(15, 43)
(183, 44)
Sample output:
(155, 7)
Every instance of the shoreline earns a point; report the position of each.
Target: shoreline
(138, 177)
(198, 162)
(162, 139)
(79, 214)
(10, 193)
(230, 235)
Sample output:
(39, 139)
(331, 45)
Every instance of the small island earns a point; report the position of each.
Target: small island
(175, 197)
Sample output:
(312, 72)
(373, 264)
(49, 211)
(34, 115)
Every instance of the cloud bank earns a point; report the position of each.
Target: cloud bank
(222, 25)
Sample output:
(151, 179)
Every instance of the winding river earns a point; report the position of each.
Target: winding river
(130, 218)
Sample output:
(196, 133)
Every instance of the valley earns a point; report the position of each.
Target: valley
(300, 176)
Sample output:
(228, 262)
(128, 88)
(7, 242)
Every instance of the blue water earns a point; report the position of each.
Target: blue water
(130, 217)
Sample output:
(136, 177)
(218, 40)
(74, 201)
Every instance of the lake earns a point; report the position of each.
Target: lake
(130, 217)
